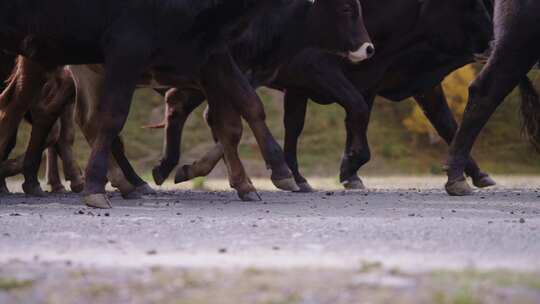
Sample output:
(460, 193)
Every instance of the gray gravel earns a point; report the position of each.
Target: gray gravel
(411, 229)
(414, 230)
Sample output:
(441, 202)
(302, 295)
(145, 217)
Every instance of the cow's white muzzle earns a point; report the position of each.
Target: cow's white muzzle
(366, 51)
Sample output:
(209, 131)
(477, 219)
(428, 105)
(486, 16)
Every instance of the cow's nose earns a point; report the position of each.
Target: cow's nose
(370, 50)
(366, 51)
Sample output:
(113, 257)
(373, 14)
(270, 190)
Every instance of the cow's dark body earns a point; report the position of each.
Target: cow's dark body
(217, 77)
(407, 64)
(175, 38)
(410, 61)
(516, 50)
(271, 42)
(80, 32)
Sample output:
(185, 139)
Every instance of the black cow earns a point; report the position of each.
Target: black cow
(271, 42)
(516, 49)
(176, 38)
(186, 52)
(418, 42)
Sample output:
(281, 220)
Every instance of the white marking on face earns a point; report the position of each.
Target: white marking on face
(366, 51)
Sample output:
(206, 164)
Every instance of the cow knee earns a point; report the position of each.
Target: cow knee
(255, 112)
(233, 135)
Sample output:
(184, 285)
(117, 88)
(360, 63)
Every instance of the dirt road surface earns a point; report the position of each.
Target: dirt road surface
(402, 241)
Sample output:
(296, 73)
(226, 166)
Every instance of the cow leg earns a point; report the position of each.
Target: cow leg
(226, 127)
(64, 149)
(18, 97)
(435, 107)
(295, 105)
(10, 146)
(357, 152)
(180, 104)
(224, 78)
(498, 78)
(53, 174)
(141, 187)
(331, 80)
(122, 72)
(202, 167)
(45, 132)
(3, 187)
(89, 92)
(114, 173)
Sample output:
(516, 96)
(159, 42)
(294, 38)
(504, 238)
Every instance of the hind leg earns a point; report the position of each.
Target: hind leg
(15, 101)
(180, 104)
(141, 187)
(64, 148)
(495, 82)
(435, 106)
(203, 166)
(52, 172)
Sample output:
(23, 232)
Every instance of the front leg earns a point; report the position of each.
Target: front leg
(295, 104)
(123, 69)
(435, 106)
(64, 147)
(336, 85)
(245, 101)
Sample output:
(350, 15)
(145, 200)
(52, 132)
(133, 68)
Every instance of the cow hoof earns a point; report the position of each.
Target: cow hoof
(158, 178)
(145, 189)
(354, 185)
(484, 182)
(77, 188)
(305, 187)
(33, 190)
(250, 196)
(58, 189)
(287, 184)
(182, 175)
(99, 201)
(132, 195)
(458, 188)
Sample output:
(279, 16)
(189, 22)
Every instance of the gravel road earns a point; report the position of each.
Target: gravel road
(395, 238)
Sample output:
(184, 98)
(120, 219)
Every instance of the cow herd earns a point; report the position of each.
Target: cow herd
(78, 62)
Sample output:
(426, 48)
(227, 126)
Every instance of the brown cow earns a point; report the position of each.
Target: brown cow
(60, 93)
(57, 88)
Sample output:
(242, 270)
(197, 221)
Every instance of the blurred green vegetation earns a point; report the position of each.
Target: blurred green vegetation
(398, 147)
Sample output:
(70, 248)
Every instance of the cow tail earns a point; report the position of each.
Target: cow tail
(530, 111)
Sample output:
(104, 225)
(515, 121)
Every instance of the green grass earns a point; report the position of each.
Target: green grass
(10, 284)
(500, 149)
